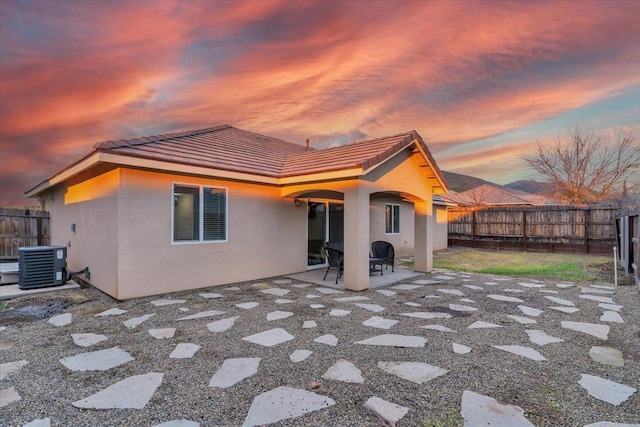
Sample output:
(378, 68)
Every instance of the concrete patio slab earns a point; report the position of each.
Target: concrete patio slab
(14, 291)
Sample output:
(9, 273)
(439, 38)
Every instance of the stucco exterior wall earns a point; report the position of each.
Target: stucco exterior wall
(403, 241)
(440, 229)
(91, 203)
(266, 237)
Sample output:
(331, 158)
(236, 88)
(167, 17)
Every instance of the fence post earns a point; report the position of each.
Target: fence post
(524, 230)
(473, 228)
(586, 230)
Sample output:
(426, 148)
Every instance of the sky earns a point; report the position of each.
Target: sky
(478, 80)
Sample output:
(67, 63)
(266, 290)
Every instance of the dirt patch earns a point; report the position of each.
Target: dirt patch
(27, 313)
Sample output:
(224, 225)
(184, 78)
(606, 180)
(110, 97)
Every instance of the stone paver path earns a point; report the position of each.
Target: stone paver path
(329, 350)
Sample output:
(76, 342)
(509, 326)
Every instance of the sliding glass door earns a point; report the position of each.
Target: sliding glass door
(325, 223)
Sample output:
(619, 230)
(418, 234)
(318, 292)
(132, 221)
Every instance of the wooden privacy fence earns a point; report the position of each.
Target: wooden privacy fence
(534, 228)
(628, 226)
(22, 228)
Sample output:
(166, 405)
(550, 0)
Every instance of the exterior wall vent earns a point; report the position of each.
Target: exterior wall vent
(42, 266)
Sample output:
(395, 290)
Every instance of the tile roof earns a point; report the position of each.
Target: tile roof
(226, 148)
(362, 154)
(489, 195)
(222, 147)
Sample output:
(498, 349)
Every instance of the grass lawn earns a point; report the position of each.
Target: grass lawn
(570, 267)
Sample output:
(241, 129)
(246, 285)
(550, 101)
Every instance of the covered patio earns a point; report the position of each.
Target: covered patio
(376, 280)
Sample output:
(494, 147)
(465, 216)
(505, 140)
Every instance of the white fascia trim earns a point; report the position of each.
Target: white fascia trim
(389, 158)
(186, 169)
(321, 176)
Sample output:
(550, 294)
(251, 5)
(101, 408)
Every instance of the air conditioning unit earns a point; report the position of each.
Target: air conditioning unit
(42, 266)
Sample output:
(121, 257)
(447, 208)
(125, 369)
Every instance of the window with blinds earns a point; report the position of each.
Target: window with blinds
(199, 214)
(392, 218)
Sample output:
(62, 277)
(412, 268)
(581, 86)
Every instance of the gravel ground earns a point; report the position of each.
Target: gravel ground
(548, 391)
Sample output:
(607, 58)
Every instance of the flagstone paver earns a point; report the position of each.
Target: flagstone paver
(515, 291)
(416, 372)
(284, 403)
(308, 324)
(328, 339)
(460, 348)
(388, 412)
(232, 288)
(317, 306)
(379, 322)
(135, 321)
(424, 282)
(328, 291)
(300, 355)
(479, 410)
(394, 340)
(530, 311)
(386, 292)
(120, 395)
(595, 329)
(211, 295)
(531, 285)
(611, 317)
(61, 319)
(427, 315)
(352, 299)
(233, 371)
(371, 307)
(479, 324)
(461, 307)
(565, 285)
(301, 285)
(281, 281)
(606, 300)
(270, 338)
(606, 390)
(560, 301)
(111, 312)
(467, 300)
(247, 305)
(164, 302)
(474, 287)
(567, 310)
(540, 337)
(407, 287)
(412, 304)
(8, 396)
(504, 298)
(284, 301)
(344, 371)
(279, 292)
(277, 315)
(528, 352)
(101, 360)
(162, 334)
(521, 319)
(87, 339)
(184, 351)
(39, 422)
(455, 292)
(312, 296)
(222, 324)
(614, 307)
(444, 277)
(607, 355)
(597, 290)
(10, 367)
(339, 313)
(202, 315)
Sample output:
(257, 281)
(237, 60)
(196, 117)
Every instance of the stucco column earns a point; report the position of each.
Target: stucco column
(356, 238)
(423, 239)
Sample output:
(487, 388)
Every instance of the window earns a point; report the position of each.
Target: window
(392, 218)
(199, 214)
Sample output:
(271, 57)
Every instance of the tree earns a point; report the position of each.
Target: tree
(587, 167)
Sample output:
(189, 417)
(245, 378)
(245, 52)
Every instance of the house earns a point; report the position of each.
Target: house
(221, 205)
(489, 195)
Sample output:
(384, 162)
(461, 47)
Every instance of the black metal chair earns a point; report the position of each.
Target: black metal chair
(385, 252)
(335, 258)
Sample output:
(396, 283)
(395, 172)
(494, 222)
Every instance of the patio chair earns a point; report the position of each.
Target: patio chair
(384, 251)
(335, 258)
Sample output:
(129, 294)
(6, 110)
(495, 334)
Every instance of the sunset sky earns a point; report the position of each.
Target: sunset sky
(478, 80)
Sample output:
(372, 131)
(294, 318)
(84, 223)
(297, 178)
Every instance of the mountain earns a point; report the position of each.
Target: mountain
(459, 182)
(531, 186)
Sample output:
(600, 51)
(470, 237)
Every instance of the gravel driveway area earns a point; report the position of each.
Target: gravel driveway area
(440, 347)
